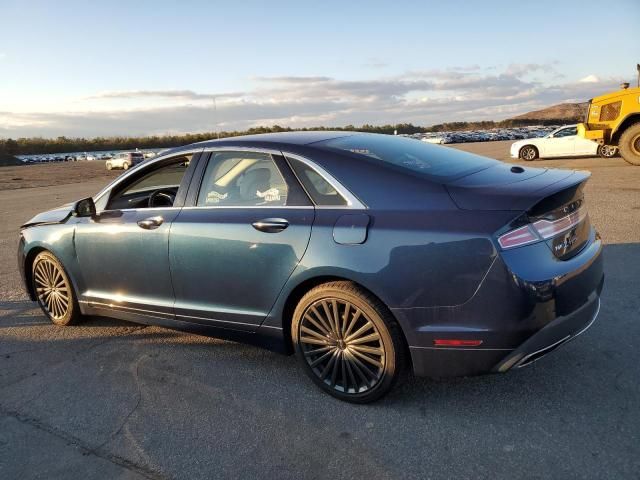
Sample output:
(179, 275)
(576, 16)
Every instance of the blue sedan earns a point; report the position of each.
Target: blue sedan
(366, 255)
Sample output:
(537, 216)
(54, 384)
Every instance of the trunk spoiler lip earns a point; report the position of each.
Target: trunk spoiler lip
(507, 198)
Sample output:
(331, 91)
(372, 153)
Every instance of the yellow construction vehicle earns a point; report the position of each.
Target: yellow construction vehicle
(613, 119)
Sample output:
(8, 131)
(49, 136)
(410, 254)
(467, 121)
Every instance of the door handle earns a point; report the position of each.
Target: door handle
(151, 223)
(271, 225)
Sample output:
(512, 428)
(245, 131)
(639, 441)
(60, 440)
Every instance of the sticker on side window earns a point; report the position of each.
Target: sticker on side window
(271, 195)
(215, 197)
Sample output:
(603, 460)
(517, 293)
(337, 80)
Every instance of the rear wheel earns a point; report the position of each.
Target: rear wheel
(629, 144)
(53, 290)
(528, 153)
(125, 166)
(607, 151)
(109, 167)
(348, 342)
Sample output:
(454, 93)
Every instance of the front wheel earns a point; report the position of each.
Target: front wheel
(125, 166)
(109, 167)
(629, 144)
(348, 342)
(53, 290)
(528, 153)
(607, 151)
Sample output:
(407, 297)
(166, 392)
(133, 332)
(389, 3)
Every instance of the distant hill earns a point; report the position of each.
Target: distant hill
(7, 160)
(564, 111)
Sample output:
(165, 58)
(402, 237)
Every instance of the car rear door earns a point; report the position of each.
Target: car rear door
(243, 231)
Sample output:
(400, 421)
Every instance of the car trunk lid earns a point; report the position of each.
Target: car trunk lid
(551, 203)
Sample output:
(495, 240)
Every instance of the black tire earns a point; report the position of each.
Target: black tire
(358, 357)
(54, 291)
(125, 166)
(109, 167)
(607, 151)
(528, 153)
(629, 144)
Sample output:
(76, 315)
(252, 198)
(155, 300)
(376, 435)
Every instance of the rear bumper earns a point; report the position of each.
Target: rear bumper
(448, 362)
(556, 333)
(517, 314)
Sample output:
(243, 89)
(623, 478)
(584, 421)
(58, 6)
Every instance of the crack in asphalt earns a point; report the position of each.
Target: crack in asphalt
(136, 371)
(80, 445)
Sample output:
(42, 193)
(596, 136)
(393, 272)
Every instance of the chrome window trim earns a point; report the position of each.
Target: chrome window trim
(353, 203)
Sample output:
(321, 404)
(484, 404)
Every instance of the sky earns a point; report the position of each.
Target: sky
(102, 68)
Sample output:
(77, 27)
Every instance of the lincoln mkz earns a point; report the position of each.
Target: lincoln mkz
(366, 255)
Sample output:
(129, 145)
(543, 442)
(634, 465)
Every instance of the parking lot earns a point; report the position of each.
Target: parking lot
(109, 399)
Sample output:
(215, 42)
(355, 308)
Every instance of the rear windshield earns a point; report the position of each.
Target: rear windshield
(136, 155)
(442, 163)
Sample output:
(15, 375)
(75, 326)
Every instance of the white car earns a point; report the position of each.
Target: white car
(562, 142)
(125, 160)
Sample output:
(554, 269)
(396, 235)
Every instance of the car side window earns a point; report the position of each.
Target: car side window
(138, 193)
(234, 179)
(319, 189)
(566, 132)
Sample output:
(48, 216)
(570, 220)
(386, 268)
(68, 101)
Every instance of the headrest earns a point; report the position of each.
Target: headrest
(252, 181)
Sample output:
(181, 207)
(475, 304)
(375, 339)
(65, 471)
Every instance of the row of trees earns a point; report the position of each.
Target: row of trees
(38, 145)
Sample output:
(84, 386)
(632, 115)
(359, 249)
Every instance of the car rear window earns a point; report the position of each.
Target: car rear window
(415, 156)
(137, 155)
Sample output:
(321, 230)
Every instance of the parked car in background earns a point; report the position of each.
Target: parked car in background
(91, 157)
(363, 254)
(125, 160)
(562, 142)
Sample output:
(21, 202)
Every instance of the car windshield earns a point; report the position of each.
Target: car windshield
(414, 156)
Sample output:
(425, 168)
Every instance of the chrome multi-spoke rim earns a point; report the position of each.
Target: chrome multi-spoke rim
(51, 288)
(608, 151)
(528, 153)
(342, 346)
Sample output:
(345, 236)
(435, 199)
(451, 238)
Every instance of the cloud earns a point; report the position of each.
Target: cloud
(420, 97)
(178, 94)
(589, 79)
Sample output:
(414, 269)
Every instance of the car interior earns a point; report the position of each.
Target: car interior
(154, 189)
(246, 179)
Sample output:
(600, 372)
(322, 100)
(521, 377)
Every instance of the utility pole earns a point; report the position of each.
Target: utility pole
(215, 116)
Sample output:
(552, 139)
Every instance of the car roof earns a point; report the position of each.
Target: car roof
(267, 140)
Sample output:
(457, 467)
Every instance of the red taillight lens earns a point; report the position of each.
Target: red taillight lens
(548, 228)
(518, 237)
(541, 230)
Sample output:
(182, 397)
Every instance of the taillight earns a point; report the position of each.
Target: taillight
(550, 228)
(518, 237)
(541, 230)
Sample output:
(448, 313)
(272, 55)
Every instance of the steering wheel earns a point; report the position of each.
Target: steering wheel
(161, 198)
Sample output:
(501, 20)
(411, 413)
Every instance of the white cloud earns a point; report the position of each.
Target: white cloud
(454, 94)
(590, 79)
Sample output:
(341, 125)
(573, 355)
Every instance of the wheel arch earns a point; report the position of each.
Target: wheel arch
(296, 294)
(28, 269)
(626, 123)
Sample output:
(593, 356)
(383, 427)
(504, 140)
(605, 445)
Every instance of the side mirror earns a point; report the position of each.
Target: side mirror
(84, 208)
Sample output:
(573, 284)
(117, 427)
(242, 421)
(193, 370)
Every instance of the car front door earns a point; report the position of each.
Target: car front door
(563, 143)
(123, 250)
(243, 231)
